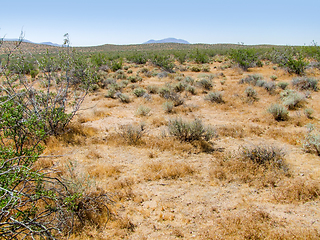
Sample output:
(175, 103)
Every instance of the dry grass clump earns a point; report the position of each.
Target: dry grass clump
(261, 166)
(132, 134)
(297, 190)
(77, 134)
(166, 170)
(234, 131)
(103, 170)
(254, 223)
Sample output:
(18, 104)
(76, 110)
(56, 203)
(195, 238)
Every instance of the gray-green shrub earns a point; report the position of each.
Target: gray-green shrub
(279, 112)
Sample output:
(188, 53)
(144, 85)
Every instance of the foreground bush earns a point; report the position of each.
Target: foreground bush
(190, 131)
(35, 202)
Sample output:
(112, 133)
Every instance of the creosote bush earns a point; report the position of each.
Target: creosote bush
(187, 131)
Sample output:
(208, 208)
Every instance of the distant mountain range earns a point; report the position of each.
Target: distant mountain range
(167, 40)
(27, 41)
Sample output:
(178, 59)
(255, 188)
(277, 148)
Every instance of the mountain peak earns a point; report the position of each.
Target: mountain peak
(167, 40)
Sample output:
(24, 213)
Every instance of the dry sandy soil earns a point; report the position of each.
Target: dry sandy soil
(166, 189)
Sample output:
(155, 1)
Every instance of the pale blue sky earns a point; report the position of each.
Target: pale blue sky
(130, 22)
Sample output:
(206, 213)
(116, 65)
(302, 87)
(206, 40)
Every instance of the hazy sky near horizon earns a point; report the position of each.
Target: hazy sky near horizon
(98, 22)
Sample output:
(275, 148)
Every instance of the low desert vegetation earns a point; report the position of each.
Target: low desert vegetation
(159, 141)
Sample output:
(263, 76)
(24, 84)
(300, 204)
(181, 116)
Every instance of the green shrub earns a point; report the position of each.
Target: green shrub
(244, 57)
(214, 97)
(152, 89)
(296, 65)
(251, 94)
(308, 112)
(139, 92)
(168, 106)
(116, 65)
(292, 99)
(283, 85)
(270, 87)
(179, 87)
(134, 79)
(195, 68)
(312, 140)
(164, 62)
(205, 83)
(191, 89)
(122, 97)
(251, 79)
(279, 112)
(143, 111)
(187, 131)
(205, 68)
(164, 92)
(273, 77)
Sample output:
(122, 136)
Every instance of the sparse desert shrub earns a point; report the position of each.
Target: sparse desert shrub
(168, 106)
(273, 77)
(251, 79)
(152, 89)
(279, 112)
(205, 68)
(308, 112)
(283, 85)
(292, 99)
(191, 89)
(305, 83)
(134, 79)
(187, 131)
(189, 80)
(120, 74)
(270, 87)
(122, 97)
(139, 92)
(312, 140)
(162, 75)
(205, 83)
(111, 93)
(251, 94)
(129, 71)
(263, 155)
(260, 83)
(214, 97)
(164, 92)
(132, 134)
(143, 111)
(179, 87)
(195, 68)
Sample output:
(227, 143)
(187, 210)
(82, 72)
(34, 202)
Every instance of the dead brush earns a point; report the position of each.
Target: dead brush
(253, 223)
(297, 190)
(261, 166)
(166, 170)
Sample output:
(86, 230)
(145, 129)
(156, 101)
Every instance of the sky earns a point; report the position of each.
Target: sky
(92, 23)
